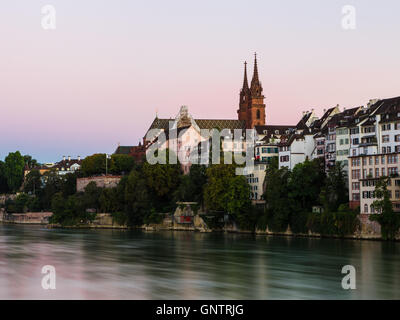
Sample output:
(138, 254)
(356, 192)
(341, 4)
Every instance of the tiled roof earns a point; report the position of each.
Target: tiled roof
(123, 150)
(203, 124)
(273, 129)
(67, 163)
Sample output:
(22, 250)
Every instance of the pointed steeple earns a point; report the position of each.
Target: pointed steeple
(245, 82)
(256, 88)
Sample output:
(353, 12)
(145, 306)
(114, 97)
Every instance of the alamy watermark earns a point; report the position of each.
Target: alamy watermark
(48, 17)
(49, 280)
(349, 280)
(349, 17)
(192, 147)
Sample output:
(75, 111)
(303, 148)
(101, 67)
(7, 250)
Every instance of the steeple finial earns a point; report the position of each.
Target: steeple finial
(245, 82)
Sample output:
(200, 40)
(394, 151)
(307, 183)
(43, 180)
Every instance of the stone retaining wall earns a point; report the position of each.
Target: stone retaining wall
(101, 181)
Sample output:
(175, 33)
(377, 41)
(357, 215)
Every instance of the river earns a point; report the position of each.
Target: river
(118, 264)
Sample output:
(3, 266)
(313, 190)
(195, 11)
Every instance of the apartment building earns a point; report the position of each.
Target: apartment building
(376, 154)
(364, 171)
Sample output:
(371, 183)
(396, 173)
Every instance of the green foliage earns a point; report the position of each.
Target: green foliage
(305, 182)
(121, 164)
(33, 181)
(278, 210)
(3, 179)
(91, 196)
(227, 192)
(94, 164)
(52, 185)
(191, 186)
(386, 217)
(153, 217)
(14, 170)
(335, 191)
(29, 162)
(137, 204)
(160, 181)
(342, 223)
(70, 211)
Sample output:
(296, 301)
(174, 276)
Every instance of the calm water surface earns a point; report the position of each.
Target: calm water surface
(110, 264)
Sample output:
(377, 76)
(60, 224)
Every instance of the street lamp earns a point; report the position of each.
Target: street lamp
(107, 157)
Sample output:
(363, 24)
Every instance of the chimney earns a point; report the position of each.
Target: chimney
(69, 158)
(79, 158)
(63, 158)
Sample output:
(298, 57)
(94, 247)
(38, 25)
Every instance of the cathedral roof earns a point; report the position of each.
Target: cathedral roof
(203, 124)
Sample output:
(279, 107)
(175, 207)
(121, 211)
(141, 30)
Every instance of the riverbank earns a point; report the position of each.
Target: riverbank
(369, 230)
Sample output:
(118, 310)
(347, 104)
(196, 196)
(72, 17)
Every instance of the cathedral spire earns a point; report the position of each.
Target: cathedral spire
(256, 88)
(245, 82)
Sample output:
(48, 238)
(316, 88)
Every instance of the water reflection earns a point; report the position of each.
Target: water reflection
(113, 264)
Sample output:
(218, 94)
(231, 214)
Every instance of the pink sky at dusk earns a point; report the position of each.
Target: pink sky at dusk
(100, 77)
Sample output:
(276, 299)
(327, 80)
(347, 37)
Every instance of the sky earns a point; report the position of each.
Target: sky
(99, 78)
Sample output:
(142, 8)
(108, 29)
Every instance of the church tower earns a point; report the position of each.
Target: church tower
(245, 97)
(251, 104)
(256, 110)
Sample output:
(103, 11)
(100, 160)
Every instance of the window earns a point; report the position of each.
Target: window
(365, 208)
(258, 114)
(383, 160)
(376, 160)
(355, 174)
(386, 127)
(355, 197)
(385, 138)
(356, 185)
(376, 172)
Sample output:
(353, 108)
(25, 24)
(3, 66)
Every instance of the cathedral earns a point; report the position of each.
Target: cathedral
(250, 115)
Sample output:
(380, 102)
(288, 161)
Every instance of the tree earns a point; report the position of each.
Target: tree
(161, 182)
(68, 184)
(91, 196)
(121, 164)
(136, 198)
(3, 179)
(335, 191)
(191, 185)
(278, 208)
(386, 217)
(29, 162)
(14, 170)
(94, 164)
(33, 182)
(226, 192)
(52, 185)
(305, 183)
